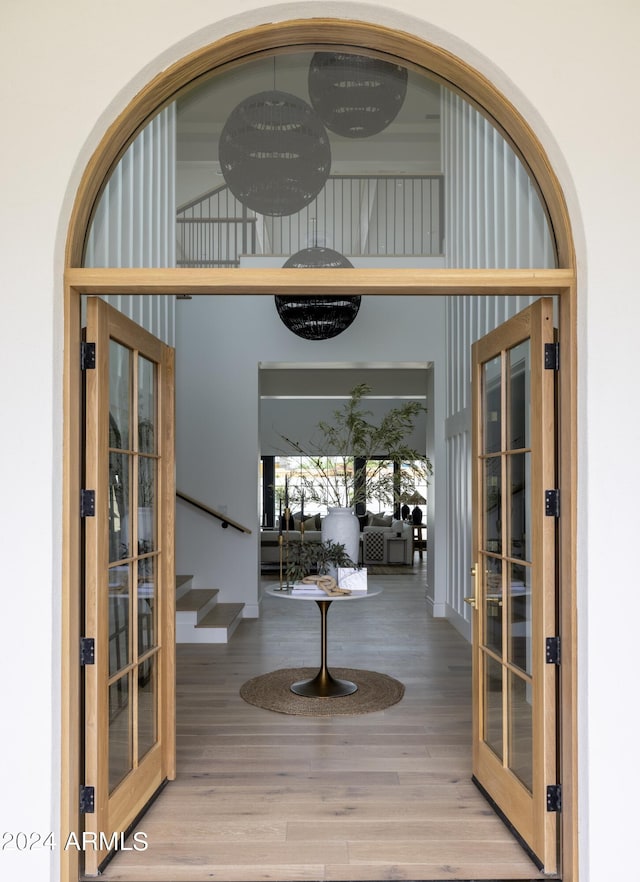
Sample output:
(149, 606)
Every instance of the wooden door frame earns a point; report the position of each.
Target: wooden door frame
(462, 78)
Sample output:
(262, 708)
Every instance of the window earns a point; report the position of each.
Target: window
(309, 486)
(412, 194)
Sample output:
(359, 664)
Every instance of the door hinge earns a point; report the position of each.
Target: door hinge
(554, 798)
(87, 356)
(87, 651)
(87, 503)
(552, 356)
(87, 800)
(552, 503)
(552, 651)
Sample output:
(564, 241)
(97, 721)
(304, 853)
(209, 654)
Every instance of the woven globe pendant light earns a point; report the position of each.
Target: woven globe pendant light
(317, 318)
(354, 95)
(274, 153)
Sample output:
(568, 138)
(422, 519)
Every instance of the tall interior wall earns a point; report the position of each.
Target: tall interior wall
(494, 218)
(134, 221)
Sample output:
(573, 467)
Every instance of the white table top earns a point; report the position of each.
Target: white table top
(371, 591)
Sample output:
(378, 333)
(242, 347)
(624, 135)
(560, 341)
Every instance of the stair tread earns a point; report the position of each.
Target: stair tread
(221, 615)
(195, 599)
(182, 580)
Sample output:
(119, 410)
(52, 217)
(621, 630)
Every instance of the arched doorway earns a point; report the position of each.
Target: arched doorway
(459, 76)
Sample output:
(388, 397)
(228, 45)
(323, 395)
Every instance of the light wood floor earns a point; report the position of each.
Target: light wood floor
(382, 796)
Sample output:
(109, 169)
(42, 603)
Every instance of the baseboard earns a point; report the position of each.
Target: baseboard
(459, 622)
(438, 610)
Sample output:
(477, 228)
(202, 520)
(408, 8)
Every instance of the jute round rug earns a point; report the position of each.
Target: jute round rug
(271, 692)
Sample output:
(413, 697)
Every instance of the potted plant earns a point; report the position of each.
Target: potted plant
(323, 557)
(345, 451)
(346, 455)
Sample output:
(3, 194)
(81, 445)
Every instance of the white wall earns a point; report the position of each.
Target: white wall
(67, 70)
(220, 344)
(468, 319)
(134, 222)
(298, 419)
(494, 218)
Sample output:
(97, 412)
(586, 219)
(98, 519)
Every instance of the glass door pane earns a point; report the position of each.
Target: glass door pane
(120, 731)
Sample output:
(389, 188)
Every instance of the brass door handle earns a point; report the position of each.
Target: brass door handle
(473, 601)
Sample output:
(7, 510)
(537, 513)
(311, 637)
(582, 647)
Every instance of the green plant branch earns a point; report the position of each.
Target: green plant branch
(305, 557)
(351, 437)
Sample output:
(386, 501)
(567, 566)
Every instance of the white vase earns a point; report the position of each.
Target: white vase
(342, 526)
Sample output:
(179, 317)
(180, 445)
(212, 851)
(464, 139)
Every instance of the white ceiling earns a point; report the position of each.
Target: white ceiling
(410, 144)
(309, 380)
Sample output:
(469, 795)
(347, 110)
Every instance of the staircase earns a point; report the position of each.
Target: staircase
(199, 616)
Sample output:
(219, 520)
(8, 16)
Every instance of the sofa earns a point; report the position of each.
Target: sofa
(379, 540)
(387, 544)
(270, 544)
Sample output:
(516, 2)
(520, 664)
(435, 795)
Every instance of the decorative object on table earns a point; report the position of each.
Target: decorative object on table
(272, 692)
(321, 585)
(283, 538)
(405, 512)
(274, 153)
(356, 96)
(352, 578)
(341, 527)
(317, 318)
(416, 499)
(301, 517)
(352, 475)
(304, 557)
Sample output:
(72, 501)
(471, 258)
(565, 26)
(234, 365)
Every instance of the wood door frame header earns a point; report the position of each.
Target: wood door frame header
(310, 281)
(317, 33)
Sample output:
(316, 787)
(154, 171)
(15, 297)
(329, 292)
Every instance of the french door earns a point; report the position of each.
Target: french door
(514, 599)
(129, 576)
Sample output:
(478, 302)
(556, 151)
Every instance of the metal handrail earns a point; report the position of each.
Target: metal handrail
(226, 522)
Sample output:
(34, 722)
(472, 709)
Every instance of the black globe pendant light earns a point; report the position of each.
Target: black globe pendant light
(354, 95)
(317, 318)
(274, 153)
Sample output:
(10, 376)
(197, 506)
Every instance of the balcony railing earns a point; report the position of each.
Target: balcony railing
(359, 216)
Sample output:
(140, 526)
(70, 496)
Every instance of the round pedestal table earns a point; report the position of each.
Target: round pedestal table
(324, 685)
